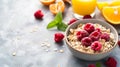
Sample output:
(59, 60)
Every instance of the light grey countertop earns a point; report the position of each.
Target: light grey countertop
(23, 36)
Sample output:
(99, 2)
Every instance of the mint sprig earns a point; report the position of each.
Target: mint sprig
(57, 22)
(62, 26)
(52, 24)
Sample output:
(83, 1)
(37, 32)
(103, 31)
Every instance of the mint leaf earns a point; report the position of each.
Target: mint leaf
(58, 17)
(62, 26)
(56, 21)
(98, 64)
(52, 24)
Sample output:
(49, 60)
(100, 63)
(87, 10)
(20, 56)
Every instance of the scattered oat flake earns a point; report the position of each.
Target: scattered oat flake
(48, 45)
(42, 45)
(34, 30)
(45, 44)
(14, 53)
(56, 49)
(61, 51)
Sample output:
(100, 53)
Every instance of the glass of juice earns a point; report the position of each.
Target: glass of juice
(83, 7)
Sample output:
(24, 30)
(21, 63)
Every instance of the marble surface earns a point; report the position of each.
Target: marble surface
(22, 38)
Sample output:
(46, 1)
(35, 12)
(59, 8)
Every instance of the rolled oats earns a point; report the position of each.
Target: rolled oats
(78, 46)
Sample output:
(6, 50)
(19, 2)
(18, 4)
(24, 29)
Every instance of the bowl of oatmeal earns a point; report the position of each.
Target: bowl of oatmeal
(91, 39)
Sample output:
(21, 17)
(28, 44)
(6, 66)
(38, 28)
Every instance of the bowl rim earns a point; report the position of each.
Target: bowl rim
(66, 39)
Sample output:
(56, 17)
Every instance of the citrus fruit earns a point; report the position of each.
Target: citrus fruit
(112, 14)
(47, 2)
(57, 7)
(115, 3)
(100, 5)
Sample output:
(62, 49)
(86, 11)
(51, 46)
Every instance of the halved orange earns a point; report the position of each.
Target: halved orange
(47, 2)
(115, 3)
(100, 5)
(57, 7)
(112, 14)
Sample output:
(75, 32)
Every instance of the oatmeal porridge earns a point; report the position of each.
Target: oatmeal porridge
(91, 38)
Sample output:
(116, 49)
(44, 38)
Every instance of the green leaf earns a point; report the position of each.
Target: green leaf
(98, 64)
(56, 21)
(62, 26)
(52, 24)
(58, 17)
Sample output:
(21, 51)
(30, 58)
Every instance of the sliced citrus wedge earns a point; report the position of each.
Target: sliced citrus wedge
(112, 14)
(100, 5)
(57, 7)
(47, 2)
(115, 3)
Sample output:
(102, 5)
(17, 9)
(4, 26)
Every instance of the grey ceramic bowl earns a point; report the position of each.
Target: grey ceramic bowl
(87, 56)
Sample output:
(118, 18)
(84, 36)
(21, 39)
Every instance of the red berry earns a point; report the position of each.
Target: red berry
(38, 14)
(58, 37)
(91, 65)
(105, 36)
(81, 34)
(98, 29)
(111, 62)
(86, 41)
(95, 35)
(119, 42)
(72, 21)
(96, 46)
(87, 17)
(89, 27)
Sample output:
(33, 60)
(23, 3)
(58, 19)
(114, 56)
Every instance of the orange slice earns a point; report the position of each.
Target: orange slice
(112, 14)
(47, 2)
(115, 3)
(57, 7)
(100, 5)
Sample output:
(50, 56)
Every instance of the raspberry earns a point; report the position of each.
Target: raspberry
(98, 29)
(81, 34)
(89, 27)
(72, 21)
(87, 17)
(119, 42)
(95, 35)
(105, 36)
(96, 46)
(111, 62)
(38, 14)
(58, 37)
(86, 41)
(91, 65)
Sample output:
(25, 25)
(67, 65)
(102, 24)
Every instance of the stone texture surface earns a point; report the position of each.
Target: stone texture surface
(23, 38)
